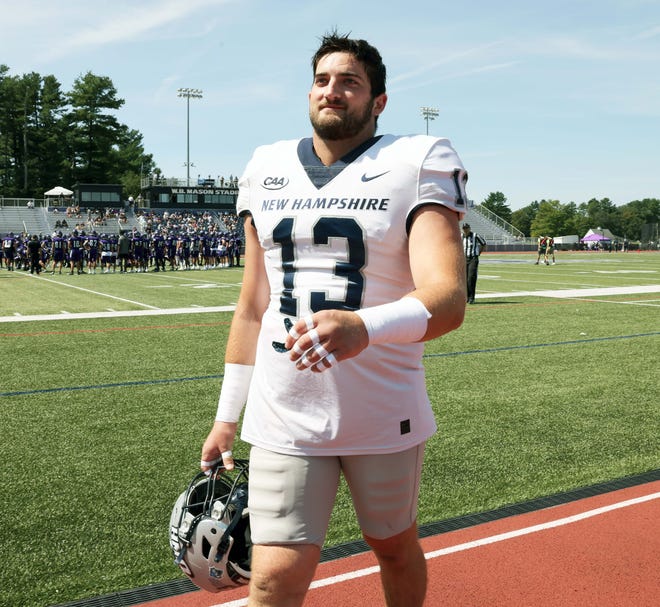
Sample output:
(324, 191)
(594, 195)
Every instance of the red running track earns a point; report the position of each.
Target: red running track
(602, 551)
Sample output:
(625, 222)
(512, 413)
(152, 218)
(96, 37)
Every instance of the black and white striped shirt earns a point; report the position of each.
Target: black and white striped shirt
(472, 245)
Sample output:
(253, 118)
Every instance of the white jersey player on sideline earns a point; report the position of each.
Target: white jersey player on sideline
(353, 258)
(353, 231)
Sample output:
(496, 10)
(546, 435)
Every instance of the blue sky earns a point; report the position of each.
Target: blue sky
(542, 100)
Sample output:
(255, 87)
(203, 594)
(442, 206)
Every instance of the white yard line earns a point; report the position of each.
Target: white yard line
(575, 293)
(63, 284)
(122, 313)
(153, 311)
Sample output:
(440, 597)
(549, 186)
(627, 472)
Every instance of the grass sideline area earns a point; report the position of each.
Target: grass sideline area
(104, 414)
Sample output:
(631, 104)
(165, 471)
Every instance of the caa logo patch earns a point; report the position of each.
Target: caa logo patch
(275, 183)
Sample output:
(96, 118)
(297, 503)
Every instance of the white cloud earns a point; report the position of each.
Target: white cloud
(64, 28)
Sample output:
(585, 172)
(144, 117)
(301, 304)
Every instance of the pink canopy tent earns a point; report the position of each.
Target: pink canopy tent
(594, 238)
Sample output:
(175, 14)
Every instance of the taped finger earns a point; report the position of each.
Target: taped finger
(309, 325)
(209, 464)
(314, 336)
(320, 351)
(325, 363)
(317, 351)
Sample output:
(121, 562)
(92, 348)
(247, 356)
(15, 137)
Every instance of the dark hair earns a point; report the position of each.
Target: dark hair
(366, 54)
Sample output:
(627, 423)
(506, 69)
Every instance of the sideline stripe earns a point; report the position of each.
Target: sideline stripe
(569, 342)
(147, 382)
(337, 579)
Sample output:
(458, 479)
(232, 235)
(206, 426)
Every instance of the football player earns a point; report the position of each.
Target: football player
(58, 251)
(353, 259)
(541, 246)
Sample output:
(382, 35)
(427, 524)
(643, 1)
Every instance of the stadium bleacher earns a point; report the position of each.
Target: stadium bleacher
(493, 229)
(46, 220)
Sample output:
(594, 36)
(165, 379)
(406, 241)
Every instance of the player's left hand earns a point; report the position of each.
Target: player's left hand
(320, 340)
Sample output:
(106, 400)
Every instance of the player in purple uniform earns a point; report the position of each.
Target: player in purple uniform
(75, 247)
(9, 250)
(58, 252)
(92, 251)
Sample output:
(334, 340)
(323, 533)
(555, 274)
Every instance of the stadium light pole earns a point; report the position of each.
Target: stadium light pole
(188, 94)
(429, 113)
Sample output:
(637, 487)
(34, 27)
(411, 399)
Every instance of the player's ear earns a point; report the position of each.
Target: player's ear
(379, 104)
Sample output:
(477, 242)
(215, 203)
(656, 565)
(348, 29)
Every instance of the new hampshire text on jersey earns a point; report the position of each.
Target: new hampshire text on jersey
(351, 204)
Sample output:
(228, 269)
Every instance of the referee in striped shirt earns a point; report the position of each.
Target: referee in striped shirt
(473, 245)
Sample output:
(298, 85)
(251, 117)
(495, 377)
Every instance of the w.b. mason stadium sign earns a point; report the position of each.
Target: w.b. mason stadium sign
(174, 195)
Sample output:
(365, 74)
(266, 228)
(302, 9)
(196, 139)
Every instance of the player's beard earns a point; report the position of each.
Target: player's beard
(338, 127)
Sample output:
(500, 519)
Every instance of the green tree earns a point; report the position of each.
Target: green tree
(10, 132)
(522, 218)
(50, 135)
(130, 160)
(30, 133)
(547, 220)
(601, 214)
(93, 129)
(637, 215)
(496, 203)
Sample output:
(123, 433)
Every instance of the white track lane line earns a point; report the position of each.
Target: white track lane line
(475, 544)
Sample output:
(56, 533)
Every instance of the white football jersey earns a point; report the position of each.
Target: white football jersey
(337, 238)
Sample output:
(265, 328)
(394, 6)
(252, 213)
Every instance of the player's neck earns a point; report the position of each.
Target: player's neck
(330, 151)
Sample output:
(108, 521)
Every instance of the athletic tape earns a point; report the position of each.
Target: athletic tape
(211, 463)
(320, 350)
(325, 363)
(314, 336)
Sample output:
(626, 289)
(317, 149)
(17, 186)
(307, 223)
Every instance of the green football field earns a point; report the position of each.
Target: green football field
(109, 385)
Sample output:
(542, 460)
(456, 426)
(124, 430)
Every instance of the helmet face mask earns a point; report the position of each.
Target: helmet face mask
(210, 529)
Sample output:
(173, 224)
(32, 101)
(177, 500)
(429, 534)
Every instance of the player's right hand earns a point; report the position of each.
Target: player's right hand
(217, 446)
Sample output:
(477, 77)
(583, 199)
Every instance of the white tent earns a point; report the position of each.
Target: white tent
(58, 191)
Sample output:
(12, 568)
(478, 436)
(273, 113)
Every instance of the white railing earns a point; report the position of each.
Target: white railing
(499, 222)
(22, 202)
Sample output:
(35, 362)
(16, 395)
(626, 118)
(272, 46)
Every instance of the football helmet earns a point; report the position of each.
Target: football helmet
(210, 529)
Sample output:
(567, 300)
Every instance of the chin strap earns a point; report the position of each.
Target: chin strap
(239, 500)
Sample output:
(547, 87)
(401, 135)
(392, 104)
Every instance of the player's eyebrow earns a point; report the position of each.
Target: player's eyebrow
(343, 74)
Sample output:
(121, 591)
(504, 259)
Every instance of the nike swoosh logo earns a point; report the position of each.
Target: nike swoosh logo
(366, 178)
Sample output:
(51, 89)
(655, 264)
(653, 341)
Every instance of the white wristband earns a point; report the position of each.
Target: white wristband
(400, 322)
(234, 392)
